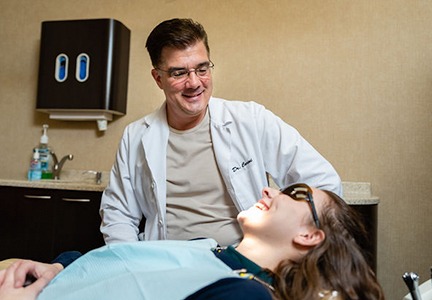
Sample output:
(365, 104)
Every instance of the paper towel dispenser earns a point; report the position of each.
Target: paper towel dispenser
(83, 69)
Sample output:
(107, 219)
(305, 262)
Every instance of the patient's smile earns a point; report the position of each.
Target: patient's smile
(261, 205)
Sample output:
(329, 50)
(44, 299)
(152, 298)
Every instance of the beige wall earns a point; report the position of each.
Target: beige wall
(355, 77)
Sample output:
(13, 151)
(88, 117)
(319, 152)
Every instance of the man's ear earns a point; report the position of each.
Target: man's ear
(157, 77)
(310, 238)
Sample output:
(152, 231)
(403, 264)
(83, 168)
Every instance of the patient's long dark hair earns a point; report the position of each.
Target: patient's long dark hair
(337, 264)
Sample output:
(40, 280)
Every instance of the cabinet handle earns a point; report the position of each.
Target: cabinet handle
(37, 197)
(75, 200)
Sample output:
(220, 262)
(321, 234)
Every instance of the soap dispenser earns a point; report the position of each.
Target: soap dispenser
(45, 154)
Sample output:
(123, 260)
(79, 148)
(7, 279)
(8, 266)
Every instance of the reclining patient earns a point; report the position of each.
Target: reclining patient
(299, 243)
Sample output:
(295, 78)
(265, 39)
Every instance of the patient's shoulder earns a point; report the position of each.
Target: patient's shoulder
(232, 288)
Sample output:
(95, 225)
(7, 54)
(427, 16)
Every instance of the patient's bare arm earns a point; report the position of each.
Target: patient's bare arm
(12, 279)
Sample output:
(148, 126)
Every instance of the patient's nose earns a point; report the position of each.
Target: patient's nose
(268, 192)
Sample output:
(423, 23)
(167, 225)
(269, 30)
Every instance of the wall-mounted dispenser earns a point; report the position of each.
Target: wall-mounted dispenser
(83, 70)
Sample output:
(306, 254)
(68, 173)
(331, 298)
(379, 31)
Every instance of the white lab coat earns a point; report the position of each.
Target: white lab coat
(249, 141)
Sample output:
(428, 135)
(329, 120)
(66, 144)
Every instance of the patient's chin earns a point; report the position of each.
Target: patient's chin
(250, 215)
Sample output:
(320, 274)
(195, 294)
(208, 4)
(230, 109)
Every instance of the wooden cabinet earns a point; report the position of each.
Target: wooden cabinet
(40, 224)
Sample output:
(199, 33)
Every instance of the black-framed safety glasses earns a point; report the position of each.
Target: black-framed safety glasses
(301, 192)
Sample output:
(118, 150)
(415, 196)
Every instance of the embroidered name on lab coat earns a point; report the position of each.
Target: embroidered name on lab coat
(243, 165)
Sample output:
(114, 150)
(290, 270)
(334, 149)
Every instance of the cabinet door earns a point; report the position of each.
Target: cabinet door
(369, 217)
(26, 223)
(77, 221)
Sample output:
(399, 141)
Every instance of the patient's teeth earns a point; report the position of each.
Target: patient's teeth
(261, 206)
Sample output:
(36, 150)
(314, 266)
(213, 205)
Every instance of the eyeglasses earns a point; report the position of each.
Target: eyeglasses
(179, 75)
(299, 192)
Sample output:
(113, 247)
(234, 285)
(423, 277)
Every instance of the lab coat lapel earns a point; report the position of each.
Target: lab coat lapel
(220, 130)
(154, 142)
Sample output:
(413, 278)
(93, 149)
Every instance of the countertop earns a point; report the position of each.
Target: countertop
(75, 180)
(359, 193)
(355, 193)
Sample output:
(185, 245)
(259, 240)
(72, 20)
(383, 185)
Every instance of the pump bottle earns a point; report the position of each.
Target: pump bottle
(35, 172)
(45, 158)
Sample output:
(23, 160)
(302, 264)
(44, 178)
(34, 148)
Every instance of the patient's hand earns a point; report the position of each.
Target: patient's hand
(29, 268)
(12, 279)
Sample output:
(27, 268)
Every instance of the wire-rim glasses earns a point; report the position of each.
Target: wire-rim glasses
(202, 71)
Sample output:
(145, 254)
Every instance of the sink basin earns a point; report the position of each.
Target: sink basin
(425, 290)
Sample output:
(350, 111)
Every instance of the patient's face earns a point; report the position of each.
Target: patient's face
(277, 216)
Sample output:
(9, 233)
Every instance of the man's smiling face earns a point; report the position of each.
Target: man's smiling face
(187, 100)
